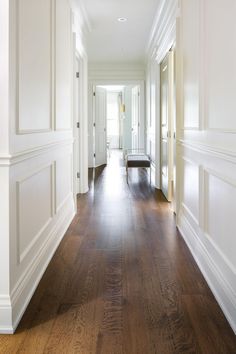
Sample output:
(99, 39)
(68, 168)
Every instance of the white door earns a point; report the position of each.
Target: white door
(135, 117)
(77, 125)
(166, 126)
(100, 126)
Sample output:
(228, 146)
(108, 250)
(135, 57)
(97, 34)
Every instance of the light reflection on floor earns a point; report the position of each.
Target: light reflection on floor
(114, 175)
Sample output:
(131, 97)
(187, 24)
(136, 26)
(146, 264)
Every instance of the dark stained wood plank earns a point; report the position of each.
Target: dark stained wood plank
(209, 325)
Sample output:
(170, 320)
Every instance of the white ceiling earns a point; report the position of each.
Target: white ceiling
(113, 41)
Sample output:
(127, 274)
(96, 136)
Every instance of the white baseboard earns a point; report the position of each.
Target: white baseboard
(5, 315)
(222, 291)
(12, 308)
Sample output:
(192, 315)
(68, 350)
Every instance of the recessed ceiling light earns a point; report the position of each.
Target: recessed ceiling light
(122, 19)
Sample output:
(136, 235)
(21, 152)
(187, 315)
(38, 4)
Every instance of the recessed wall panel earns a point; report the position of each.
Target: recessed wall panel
(221, 221)
(191, 188)
(63, 66)
(34, 66)
(220, 47)
(63, 179)
(34, 208)
(191, 38)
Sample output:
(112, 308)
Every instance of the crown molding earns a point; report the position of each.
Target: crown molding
(83, 18)
(163, 24)
(155, 25)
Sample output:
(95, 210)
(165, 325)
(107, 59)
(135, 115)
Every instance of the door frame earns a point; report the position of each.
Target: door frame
(77, 119)
(94, 127)
(169, 59)
(80, 148)
(136, 87)
(100, 82)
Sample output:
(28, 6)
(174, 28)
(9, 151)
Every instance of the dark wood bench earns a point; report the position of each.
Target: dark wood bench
(138, 160)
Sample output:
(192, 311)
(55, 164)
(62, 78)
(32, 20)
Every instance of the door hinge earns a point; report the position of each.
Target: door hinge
(94, 93)
(77, 75)
(78, 174)
(78, 125)
(94, 155)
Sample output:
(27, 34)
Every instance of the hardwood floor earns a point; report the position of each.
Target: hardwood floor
(122, 281)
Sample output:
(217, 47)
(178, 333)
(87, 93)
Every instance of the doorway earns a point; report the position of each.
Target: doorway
(118, 120)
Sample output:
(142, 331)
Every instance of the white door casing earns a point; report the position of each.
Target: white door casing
(77, 124)
(100, 126)
(135, 117)
(166, 126)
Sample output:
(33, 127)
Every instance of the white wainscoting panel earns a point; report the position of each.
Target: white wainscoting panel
(63, 180)
(36, 169)
(34, 65)
(190, 198)
(220, 224)
(35, 194)
(38, 222)
(191, 66)
(220, 54)
(63, 66)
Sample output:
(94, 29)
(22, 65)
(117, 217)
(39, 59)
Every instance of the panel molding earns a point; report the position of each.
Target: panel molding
(20, 131)
(201, 72)
(210, 172)
(196, 220)
(187, 211)
(29, 280)
(11, 160)
(21, 256)
(65, 200)
(206, 78)
(223, 154)
(71, 52)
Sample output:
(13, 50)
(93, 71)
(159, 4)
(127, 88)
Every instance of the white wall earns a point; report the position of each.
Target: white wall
(207, 142)
(36, 149)
(119, 72)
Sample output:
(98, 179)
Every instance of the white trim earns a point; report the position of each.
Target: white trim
(223, 154)
(35, 238)
(20, 131)
(79, 8)
(216, 281)
(104, 82)
(28, 282)
(10, 160)
(163, 33)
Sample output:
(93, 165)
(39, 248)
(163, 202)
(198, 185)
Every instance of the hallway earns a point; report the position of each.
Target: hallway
(122, 281)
